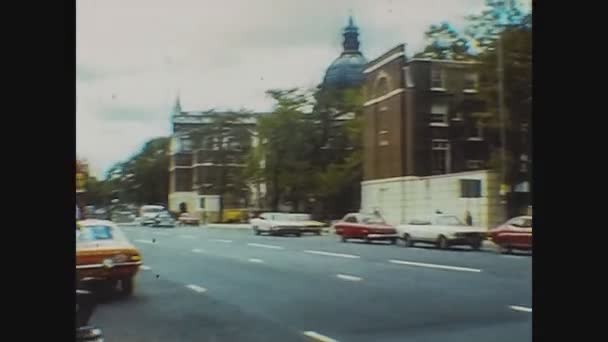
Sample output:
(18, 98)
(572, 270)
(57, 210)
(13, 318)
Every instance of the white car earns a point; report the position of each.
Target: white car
(443, 231)
(276, 224)
(164, 219)
(148, 213)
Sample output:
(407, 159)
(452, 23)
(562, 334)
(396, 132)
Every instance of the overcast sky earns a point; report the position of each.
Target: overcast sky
(133, 56)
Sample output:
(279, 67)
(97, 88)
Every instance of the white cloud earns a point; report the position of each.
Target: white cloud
(132, 57)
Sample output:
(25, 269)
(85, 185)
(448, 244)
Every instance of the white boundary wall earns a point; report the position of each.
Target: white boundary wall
(404, 198)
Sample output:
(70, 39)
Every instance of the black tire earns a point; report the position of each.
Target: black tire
(393, 241)
(298, 234)
(343, 239)
(407, 241)
(476, 245)
(442, 242)
(127, 285)
(367, 240)
(319, 232)
(256, 231)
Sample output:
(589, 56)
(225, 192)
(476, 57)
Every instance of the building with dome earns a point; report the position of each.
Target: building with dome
(346, 71)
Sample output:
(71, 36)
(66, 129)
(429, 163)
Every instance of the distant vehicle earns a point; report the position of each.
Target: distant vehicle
(148, 213)
(275, 224)
(307, 225)
(123, 216)
(513, 234)
(187, 219)
(164, 219)
(103, 253)
(441, 230)
(367, 227)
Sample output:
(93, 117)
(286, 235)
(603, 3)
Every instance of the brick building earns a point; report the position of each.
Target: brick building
(194, 170)
(425, 148)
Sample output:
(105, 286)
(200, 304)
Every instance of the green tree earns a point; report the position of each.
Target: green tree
(226, 140)
(444, 42)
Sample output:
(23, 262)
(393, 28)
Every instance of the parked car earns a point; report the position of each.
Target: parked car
(164, 219)
(368, 227)
(103, 253)
(148, 213)
(275, 224)
(187, 219)
(443, 231)
(516, 233)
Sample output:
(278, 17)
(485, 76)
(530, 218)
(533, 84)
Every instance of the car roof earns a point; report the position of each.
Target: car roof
(96, 222)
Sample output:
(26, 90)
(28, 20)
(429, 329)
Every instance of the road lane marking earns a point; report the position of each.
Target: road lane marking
(196, 288)
(188, 236)
(222, 240)
(265, 246)
(348, 277)
(259, 261)
(144, 267)
(333, 254)
(445, 267)
(318, 337)
(196, 250)
(161, 233)
(520, 308)
(145, 241)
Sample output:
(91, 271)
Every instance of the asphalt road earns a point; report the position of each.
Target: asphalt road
(223, 284)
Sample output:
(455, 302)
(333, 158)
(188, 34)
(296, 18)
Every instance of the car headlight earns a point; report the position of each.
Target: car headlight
(135, 257)
(108, 263)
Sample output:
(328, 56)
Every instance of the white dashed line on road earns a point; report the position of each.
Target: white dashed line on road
(318, 337)
(144, 267)
(196, 250)
(348, 277)
(196, 288)
(444, 267)
(520, 308)
(333, 254)
(259, 261)
(222, 240)
(145, 241)
(265, 246)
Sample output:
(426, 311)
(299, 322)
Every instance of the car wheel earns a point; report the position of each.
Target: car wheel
(407, 241)
(343, 238)
(256, 231)
(393, 241)
(367, 239)
(298, 234)
(319, 232)
(476, 245)
(442, 242)
(126, 286)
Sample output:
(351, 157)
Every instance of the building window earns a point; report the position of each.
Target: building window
(471, 82)
(439, 114)
(201, 203)
(409, 81)
(437, 78)
(470, 188)
(523, 163)
(186, 144)
(440, 157)
(382, 86)
(383, 138)
(477, 131)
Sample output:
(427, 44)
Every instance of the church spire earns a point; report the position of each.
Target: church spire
(351, 37)
(177, 108)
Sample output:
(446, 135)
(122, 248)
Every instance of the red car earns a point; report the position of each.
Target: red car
(513, 234)
(365, 227)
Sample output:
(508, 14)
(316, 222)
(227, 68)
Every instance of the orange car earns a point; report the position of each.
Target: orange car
(104, 253)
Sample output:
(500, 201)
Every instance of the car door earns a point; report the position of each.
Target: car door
(348, 226)
(522, 232)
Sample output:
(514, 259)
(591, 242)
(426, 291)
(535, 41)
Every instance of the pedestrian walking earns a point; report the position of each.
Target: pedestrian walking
(468, 218)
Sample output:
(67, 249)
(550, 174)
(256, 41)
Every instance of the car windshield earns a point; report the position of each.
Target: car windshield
(95, 233)
(371, 219)
(526, 223)
(448, 221)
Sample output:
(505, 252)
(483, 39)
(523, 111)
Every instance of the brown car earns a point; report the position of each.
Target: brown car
(104, 253)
